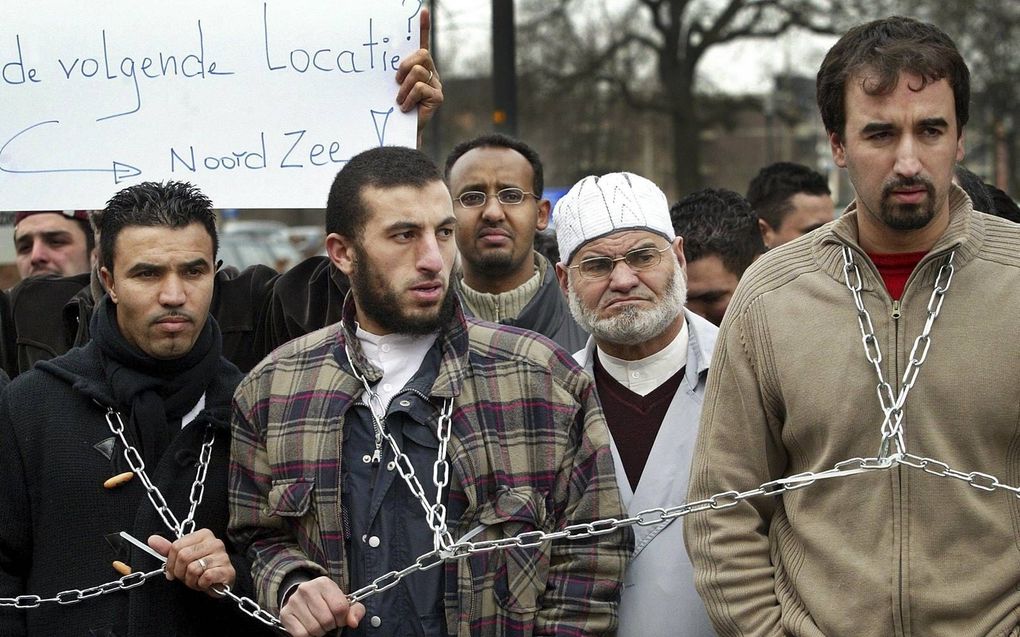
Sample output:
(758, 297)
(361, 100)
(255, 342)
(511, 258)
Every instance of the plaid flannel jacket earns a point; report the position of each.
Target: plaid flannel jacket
(529, 451)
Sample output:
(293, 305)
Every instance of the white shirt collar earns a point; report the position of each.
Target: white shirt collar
(644, 375)
(398, 356)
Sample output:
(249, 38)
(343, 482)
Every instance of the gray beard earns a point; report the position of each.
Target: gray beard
(633, 326)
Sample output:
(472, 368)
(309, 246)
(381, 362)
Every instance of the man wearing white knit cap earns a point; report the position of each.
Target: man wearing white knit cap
(623, 271)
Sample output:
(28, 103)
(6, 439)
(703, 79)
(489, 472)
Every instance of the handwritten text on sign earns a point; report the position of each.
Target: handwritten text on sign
(259, 103)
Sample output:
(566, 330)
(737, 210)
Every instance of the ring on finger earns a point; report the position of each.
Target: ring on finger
(202, 563)
(428, 80)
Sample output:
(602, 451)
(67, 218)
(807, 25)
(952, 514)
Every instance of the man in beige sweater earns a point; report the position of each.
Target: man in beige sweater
(897, 549)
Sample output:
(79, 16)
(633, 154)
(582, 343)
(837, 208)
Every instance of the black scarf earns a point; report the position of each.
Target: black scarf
(158, 392)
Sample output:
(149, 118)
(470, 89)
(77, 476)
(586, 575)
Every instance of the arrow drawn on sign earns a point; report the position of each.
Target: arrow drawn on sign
(120, 170)
(380, 131)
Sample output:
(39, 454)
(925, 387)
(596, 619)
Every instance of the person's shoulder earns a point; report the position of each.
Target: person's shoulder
(1001, 239)
(307, 270)
(50, 289)
(27, 389)
(785, 265)
(302, 352)
(497, 343)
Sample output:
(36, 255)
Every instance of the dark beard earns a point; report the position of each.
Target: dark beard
(494, 265)
(907, 216)
(377, 300)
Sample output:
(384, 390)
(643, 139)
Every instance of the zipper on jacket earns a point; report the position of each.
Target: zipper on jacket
(896, 309)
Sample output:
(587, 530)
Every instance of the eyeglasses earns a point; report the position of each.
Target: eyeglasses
(637, 260)
(507, 197)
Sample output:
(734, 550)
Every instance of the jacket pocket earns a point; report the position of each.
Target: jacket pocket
(518, 574)
(292, 500)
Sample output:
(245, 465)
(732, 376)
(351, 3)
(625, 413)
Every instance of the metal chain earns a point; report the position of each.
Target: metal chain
(134, 460)
(446, 549)
(531, 539)
(435, 514)
(976, 479)
(74, 595)
(892, 405)
(649, 517)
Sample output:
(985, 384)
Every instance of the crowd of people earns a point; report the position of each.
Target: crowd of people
(671, 427)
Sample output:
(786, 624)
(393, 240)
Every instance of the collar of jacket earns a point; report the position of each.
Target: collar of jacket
(453, 338)
(965, 234)
(82, 369)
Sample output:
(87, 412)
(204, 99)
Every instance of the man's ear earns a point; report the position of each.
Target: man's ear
(767, 233)
(561, 275)
(340, 250)
(678, 250)
(107, 278)
(543, 215)
(838, 150)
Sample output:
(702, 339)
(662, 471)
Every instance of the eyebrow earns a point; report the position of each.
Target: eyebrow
(643, 244)
(411, 225)
(479, 187)
(876, 127)
(46, 234)
(138, 267)
(935, 122)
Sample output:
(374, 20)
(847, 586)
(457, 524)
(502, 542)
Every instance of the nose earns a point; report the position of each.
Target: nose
(623, 278)
(171, 292)
(41, 253)
(430, 255)
(907, 162)
(493, 211)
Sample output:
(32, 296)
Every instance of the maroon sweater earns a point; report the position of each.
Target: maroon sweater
(634, 420)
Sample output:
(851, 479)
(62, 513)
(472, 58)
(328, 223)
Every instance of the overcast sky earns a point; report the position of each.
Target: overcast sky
(464, 31)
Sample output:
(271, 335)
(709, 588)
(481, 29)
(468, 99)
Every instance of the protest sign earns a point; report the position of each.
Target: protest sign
(258, 103)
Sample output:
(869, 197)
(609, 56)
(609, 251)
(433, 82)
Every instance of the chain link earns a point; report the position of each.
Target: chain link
(976, 479)
(74, 595)
(890, 402)
(134, 460)
(435, 514)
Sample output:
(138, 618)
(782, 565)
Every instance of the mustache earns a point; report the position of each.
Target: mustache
(908, 182)
(174, 314)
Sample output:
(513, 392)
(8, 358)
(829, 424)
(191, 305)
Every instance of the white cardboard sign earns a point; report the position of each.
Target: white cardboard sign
(258, 103)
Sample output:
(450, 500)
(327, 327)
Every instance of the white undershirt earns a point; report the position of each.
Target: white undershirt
(398, 356)
(644, 375)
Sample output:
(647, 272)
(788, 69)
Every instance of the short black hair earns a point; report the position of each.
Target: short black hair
(771, 190)
(383, 167)
(720, 222)
(498, 140)
(174, 204)
(90, 235)
(876, 53)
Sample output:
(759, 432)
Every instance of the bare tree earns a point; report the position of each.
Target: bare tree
(649, 53)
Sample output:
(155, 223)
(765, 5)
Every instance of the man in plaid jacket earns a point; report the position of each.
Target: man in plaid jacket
(501, 428)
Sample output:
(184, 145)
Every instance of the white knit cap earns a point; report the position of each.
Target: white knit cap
(599, 206)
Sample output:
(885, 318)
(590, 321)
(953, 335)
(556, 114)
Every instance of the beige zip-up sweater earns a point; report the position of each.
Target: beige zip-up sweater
(896, 552)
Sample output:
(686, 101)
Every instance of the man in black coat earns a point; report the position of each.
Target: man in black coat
(128, 433)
